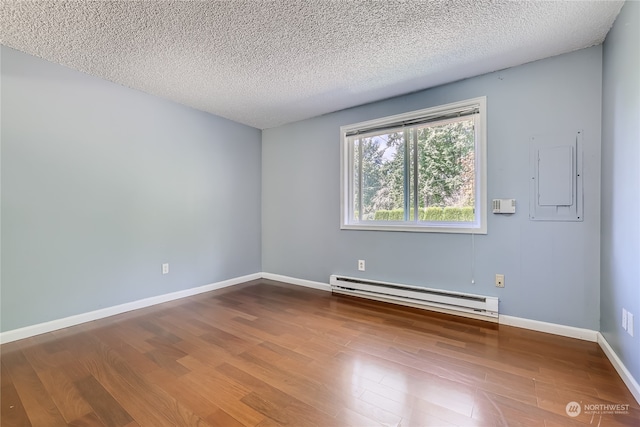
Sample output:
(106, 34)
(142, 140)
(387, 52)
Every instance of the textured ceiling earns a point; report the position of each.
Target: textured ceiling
(265, 63)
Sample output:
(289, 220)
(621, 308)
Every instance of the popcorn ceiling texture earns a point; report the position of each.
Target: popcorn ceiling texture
(266, 63)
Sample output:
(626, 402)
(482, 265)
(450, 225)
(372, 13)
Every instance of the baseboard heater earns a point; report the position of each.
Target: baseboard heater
(462, 304)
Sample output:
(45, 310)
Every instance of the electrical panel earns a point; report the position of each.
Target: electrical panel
(555, 191)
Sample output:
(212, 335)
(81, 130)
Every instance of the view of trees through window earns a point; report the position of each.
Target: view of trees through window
(432, 165)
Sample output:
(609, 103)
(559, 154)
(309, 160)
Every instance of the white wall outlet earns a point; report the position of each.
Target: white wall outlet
(361, 265)
(500, 280)
(624, 319)
(165, 268)
(630, 323)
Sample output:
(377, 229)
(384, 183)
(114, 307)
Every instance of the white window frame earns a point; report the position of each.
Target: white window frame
(479, 226)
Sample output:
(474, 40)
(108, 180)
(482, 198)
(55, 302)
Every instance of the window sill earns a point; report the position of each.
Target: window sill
(444, 228)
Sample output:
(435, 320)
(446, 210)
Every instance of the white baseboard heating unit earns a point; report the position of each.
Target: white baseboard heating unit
(462, 304)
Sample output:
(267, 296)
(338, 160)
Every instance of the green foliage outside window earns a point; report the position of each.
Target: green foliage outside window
(444, 173)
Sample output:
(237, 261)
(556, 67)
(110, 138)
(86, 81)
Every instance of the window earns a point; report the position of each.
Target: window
(418, 171)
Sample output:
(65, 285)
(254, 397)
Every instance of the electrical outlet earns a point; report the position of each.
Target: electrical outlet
(630, 323)
(165, 268)
(361, 265)
(500, 280)
(624, 319)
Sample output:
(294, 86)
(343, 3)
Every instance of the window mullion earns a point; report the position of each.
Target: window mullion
(407, 168)
(415, 175)
(360, 179)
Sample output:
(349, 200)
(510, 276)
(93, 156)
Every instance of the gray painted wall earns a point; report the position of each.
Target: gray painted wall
(620, 281)
(101, 184)
(551, 268)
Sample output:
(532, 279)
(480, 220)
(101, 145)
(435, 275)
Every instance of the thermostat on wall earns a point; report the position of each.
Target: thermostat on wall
(504, 206)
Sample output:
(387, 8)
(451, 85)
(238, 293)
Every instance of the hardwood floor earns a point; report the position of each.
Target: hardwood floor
(270, 354)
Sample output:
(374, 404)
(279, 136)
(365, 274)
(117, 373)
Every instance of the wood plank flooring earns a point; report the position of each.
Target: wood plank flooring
(270, 354)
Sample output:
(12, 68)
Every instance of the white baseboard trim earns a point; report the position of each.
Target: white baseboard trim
(550, 328)
(53, 325)
(299, 282)
(622, 370)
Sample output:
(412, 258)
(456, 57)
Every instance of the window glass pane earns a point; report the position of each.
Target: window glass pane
(446, 171)
(383, 177)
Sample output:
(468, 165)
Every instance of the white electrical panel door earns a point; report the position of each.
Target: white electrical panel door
(556, 178)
